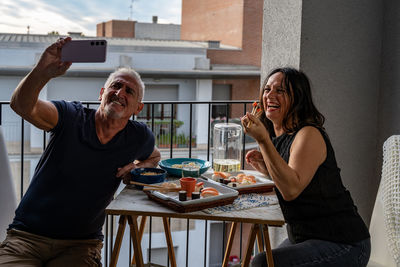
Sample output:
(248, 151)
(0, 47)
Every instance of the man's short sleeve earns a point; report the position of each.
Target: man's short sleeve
(148, 142)
(64, 109)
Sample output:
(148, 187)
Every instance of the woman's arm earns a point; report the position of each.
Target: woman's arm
(307, 153)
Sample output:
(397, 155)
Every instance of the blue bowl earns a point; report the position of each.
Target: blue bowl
(138, 175)
(167, 165)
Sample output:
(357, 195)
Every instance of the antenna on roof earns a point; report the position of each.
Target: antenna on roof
(131, 8)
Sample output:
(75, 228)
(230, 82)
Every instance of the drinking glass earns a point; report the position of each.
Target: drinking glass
(190, 169)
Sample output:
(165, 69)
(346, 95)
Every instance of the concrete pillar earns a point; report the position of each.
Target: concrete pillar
(337, 43)
(203, 93)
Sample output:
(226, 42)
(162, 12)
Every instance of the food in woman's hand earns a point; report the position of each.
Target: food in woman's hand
(256, 111)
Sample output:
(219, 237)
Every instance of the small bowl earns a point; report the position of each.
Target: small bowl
(139, 175)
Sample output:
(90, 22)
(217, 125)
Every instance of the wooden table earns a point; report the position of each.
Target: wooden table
(131, 203)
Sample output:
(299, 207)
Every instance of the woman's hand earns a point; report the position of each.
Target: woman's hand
(254, 127)
(256, 160)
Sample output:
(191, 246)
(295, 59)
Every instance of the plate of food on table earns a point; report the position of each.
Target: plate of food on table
(174, 165)
(205, 194)
(242, 181)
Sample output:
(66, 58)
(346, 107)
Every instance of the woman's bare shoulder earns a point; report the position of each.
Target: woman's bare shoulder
(310, 134)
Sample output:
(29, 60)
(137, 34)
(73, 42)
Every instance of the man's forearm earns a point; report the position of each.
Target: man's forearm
(26, 94)
(151, 161)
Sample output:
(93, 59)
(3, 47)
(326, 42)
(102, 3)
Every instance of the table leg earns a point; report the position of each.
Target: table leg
(141, 230)
(137, 248)
(250, 244)
(268, 251)
(118, 240)
(229, 244)
(260, 244)
(171, 252)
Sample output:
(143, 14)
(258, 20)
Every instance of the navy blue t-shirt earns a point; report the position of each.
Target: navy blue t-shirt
(75, 178)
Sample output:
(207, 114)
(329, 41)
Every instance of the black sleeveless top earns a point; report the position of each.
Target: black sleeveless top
(325, 209)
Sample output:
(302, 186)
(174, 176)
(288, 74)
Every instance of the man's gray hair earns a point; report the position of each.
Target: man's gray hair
(130, 72)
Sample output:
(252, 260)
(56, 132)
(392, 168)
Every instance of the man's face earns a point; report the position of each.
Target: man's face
(121, 99)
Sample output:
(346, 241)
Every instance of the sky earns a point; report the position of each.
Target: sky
(44, 16)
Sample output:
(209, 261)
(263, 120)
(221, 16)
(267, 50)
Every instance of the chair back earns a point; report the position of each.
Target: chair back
(385, 220)
(8, 200)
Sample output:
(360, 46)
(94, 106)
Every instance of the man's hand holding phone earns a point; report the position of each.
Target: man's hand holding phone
(50, 64)
(84, 51)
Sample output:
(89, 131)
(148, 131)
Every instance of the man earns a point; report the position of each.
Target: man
(59, 220)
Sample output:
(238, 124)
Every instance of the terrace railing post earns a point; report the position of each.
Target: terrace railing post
(22, 157)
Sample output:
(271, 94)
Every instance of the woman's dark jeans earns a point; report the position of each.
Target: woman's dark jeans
(317, 253)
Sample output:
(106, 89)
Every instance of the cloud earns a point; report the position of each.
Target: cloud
(44, 16)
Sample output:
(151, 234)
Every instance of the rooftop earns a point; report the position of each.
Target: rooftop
(16, 38)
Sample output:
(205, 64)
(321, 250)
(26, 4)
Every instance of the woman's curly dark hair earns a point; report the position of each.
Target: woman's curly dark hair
(302, 111)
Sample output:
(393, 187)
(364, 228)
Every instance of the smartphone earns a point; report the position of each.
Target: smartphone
(84, 51)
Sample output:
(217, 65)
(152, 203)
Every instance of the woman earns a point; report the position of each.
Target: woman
(324, 227)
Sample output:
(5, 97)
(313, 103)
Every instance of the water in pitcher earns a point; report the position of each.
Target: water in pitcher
(226, 165)
(227, 147)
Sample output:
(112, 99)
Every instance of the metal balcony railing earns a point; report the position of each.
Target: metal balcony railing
(170, 137)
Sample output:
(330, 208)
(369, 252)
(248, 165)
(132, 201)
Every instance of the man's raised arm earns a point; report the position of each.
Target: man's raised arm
(25, 99)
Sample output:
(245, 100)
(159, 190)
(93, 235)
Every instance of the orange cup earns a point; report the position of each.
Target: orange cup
(188, 184)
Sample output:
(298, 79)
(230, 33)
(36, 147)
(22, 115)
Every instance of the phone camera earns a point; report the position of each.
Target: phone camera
(91, 43)
(102, 43)
(97, 43)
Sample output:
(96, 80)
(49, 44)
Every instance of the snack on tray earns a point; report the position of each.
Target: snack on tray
(199, 186)
(168, 185)
(234, 181)
(209, 192)
(217, 175)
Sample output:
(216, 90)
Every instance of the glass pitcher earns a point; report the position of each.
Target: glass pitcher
(227, 151)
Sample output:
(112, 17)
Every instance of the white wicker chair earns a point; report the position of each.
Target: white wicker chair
(385, 221)
(8, 201)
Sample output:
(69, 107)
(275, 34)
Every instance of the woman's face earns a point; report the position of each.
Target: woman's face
(275, 98)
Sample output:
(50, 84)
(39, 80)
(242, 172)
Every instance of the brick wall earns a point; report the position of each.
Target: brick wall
(213, 20)
(235, 22)
(116, 28)
(242, 89)
(250, 53)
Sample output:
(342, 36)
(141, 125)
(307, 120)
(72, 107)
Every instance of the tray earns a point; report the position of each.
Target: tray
(227, 196)
(263, 183)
